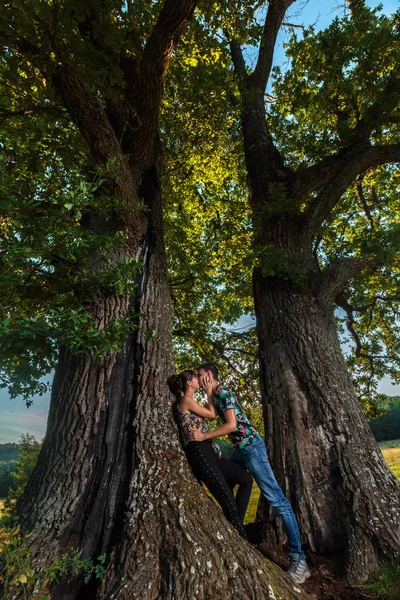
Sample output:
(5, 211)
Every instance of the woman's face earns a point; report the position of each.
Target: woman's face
(194, 383)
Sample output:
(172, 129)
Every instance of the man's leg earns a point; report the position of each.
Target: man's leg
(237, 475)
(254, 457)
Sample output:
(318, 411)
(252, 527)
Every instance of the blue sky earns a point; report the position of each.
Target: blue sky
(15, 418)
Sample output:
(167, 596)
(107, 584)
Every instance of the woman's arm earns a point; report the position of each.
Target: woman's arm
(190, 405)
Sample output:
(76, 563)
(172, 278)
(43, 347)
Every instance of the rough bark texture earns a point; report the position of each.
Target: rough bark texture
(321, 447)
(322, 450)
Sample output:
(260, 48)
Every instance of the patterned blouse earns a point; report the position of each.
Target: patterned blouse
(189, 421)
(245, 433)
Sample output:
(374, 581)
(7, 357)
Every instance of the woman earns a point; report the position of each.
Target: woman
(217, 473)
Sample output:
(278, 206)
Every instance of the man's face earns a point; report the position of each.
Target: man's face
(201, 374)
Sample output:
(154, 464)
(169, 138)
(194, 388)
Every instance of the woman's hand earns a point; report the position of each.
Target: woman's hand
(206, 384)
(197, 436)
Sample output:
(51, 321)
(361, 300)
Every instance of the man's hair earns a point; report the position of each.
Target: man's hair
(210, 367)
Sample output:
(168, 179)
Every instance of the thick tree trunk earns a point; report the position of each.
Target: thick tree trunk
(112, 477)
(321, 448)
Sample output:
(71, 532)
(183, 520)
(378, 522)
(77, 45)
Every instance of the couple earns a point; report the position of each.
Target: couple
(220, 475)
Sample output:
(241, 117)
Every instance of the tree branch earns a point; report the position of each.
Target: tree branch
(6, 114)
(343, 303)
(87, 113)
(335, 277)
(333, 175)
(361, 198)
(171, 23)
(237, 59)
(273, 21)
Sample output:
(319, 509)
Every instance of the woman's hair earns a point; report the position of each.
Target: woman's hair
(177, 383)
(177, 387)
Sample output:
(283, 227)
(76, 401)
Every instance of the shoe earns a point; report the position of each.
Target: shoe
(298, 569)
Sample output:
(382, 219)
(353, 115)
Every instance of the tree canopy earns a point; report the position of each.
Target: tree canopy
(341, 82)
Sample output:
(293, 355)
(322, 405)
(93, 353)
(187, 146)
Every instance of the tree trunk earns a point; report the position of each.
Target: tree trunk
(322, 450)
(321, 447)
(112, 477)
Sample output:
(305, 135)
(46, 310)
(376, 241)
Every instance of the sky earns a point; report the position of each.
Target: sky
(15, 418)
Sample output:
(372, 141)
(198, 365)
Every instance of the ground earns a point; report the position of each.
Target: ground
(326, 581)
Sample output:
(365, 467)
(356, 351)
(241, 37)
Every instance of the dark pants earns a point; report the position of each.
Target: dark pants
(240, 477)
(205, 465)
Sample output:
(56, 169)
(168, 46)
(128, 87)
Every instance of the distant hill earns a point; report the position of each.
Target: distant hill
(8, 452)
(8, 461)
(387, 427)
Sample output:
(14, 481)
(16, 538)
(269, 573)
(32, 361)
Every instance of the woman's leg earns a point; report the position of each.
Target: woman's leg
(204, 464)
(237, 475)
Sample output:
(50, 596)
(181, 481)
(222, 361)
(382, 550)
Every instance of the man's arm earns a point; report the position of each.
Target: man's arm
(228, 427)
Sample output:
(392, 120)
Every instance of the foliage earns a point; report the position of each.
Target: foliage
(16, 572)
(389, 444)
(8, 451)
(51, 278)
(62, 235)
(335, 84)
(8, 460)
(52, 259)
(18, 576)
(207, 218)
(338, 93)
(387, 426)
(6, 476)
(384, 582)
(28, 452)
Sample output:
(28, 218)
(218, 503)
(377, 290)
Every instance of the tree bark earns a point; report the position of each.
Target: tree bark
(321, 447)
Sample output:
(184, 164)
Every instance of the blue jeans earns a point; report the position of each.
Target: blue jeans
(255, 459)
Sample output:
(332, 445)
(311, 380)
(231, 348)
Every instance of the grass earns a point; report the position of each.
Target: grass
(383, 583)
(391, 454)
(251, 511)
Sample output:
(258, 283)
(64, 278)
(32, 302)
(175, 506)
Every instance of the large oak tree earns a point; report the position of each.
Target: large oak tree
(321, 447)
(320, 149)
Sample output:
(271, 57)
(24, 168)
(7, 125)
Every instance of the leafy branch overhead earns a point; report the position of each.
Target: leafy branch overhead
(331, 148)
(331, 143)
(72, 213)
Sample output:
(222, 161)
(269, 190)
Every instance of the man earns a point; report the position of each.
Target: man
(251, 453)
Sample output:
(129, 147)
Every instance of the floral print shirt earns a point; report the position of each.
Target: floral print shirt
(189, 421)
(245, 433)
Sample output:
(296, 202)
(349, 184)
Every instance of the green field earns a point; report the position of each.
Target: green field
(390, 451)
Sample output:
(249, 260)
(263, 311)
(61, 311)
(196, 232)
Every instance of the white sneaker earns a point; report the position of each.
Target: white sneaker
(298, 569)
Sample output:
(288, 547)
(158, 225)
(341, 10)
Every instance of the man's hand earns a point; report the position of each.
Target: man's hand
(197, 436)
